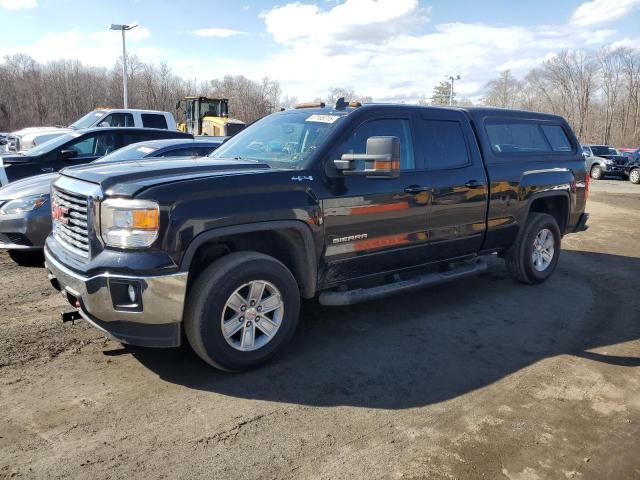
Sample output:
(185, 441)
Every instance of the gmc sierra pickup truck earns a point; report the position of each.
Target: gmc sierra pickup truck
(344, 203)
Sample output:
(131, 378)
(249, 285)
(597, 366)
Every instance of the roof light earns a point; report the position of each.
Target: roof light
(310, 105)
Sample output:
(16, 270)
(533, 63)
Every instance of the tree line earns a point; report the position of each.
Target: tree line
(60, 92)
(597, 91)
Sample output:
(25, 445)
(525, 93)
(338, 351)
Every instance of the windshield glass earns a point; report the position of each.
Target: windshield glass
(284, 140)
(52, 144)
(603, 151)
(130, 152)
(88, 120)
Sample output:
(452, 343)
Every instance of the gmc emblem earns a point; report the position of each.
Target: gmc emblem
(59, 214)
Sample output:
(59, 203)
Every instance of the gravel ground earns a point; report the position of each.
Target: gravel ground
(484, 378)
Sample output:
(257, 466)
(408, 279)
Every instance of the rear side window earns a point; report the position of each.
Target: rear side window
(523, 137)
(557, 138)
(154, 120)
(443, 144)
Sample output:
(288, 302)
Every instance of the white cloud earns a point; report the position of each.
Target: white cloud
(602, 11)
(217, 32)
(100, 48)
(388, 49)
(18, 4)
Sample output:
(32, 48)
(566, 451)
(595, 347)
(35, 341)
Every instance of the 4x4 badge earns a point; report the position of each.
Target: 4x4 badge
(301, 178)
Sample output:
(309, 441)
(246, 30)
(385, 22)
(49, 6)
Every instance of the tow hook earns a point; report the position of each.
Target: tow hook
(71, 316)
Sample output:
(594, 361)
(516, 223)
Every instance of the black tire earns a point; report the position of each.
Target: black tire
(634, 176)
(209, 294)
(596, 172)
(519, 259)
(27, 258)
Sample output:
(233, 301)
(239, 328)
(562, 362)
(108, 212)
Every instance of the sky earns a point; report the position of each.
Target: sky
(391, 50)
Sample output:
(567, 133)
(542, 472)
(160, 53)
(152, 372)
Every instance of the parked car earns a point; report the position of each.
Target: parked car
(25, 207)
(603, 160)
(77, 147)
(28, 138)
(347, 203)
(632, 169)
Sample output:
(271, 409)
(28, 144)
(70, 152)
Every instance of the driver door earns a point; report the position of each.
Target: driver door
(374, 226)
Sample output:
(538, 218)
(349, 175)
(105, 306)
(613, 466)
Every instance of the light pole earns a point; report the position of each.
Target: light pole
(124, 28)
(452, 79)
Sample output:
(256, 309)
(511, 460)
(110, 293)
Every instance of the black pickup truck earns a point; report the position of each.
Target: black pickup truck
(343, 203)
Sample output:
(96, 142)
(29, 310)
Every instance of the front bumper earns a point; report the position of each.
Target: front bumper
(25, 231)
(614, 170)
(154, 320)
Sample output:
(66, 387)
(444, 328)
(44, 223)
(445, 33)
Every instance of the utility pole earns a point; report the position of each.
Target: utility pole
(123, 29)
(452, 79)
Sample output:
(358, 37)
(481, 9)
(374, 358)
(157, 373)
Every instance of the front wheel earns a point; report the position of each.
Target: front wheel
(242, 310)
(534, 256)
(634, 176)
(597, 172)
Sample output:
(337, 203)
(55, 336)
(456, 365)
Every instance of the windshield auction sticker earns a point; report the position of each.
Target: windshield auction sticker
(145, 149)
(323, 118)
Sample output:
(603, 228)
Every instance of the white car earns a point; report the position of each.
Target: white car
(27, 138)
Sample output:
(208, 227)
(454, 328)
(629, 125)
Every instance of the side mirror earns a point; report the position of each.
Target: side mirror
(103, 124)
(68, 154)
(382, 159)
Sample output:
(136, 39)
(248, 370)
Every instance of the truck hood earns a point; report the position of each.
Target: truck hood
(129, 177)
(38, 130)
(38, 185)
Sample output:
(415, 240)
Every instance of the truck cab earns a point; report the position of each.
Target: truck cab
(341, 203)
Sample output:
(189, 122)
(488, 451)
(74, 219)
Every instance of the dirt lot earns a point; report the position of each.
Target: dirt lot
(485, 378)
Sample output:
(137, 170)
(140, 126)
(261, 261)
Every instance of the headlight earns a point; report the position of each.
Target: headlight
(608, 162)
(24, 204)
(129, 223)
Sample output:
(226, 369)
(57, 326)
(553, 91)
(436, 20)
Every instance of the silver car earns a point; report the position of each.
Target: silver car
(25, 212)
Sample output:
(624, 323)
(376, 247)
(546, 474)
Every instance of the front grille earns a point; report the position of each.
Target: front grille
(621, 163)
(69, 212)
(13, 143)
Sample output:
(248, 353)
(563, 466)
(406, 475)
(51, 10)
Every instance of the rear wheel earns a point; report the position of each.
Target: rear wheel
(242, 310)
(597, 172)
(634, 176)
(27, 258)
(534, 256)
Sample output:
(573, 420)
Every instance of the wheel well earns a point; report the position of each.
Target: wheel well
(556, 206)
(286, 245)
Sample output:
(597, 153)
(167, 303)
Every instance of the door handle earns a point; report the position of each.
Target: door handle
(416, 189)
(473, 184)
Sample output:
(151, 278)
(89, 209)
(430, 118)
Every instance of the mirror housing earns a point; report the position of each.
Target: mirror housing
(382, 159)
(68, 154)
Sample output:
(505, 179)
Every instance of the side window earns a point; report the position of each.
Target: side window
(516, 137)
(443, 144)
(118, 120)
(154, 120)
(357, 142)
(94, 145)
(180, 152)
(557, 138)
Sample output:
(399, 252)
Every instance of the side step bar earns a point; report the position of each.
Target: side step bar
(358, 295)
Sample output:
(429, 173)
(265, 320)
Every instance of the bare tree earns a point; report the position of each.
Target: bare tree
(504, 91)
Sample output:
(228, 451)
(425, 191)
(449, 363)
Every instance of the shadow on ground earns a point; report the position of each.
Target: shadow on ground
(433, 345)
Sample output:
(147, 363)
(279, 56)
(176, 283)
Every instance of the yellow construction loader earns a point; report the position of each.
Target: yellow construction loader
(208, 116)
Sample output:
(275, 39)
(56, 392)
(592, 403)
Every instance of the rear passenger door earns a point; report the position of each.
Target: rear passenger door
(459, 190)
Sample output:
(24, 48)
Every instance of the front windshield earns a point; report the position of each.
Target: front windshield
(88, 120)
(130, 152)
(597, 151)
(52, 144)
(283, 140)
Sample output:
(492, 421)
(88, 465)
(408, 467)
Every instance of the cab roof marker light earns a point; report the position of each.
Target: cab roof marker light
(309, 105)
